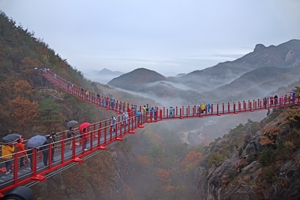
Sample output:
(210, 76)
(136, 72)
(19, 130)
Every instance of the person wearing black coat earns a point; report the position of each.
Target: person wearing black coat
(45, 148)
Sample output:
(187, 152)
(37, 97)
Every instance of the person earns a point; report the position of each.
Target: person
(104, 101)
(113, 123)
(285, 99)
(138, 113)
(271, 100)
(84, 138)
(112, 104)
(7, 151)
(202, 107)
(45, 148)
(153, 110)
(70, 134)
(265, 101)
(171, 112)
(129, 112)
(53, 140)
(126, 118)
(275, 99)
(208, 106)
(30, 156)
(45, 151)
(22, 153)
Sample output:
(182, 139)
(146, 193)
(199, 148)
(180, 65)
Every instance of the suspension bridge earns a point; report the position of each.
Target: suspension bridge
(103, 135)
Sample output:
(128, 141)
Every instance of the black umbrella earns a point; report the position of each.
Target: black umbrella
(11, 138)
(36, 141)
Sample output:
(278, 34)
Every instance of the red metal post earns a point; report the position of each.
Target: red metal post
(228, 111)
(16, 167)
(62, 151)
(223, 108)
(34, 162)
(50, 155)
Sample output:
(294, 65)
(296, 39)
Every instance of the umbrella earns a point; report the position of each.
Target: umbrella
(72, 122)
(11, 138)
(84, 125)
(36, 141)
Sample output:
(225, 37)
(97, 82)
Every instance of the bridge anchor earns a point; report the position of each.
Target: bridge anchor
(77, 159)
(131, 132)
(102, 148)
(38, 177)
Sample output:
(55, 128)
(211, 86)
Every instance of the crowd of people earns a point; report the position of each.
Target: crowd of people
(132, 111)
(18, 146)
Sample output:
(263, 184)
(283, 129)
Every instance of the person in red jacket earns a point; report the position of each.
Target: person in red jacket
(22, 153)
(85, 138)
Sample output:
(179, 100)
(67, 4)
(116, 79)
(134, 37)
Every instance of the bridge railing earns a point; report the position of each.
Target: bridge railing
(35, 169)
(179, 112)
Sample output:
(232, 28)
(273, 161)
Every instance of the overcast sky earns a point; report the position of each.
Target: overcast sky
(167, 36)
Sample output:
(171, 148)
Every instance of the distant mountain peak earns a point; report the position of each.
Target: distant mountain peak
(136, 78)
(259, 47)
(106, 71)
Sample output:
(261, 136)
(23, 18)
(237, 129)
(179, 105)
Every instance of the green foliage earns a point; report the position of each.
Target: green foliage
(250, 158)
(155, 152)
(215, 159)
(50, 113)
(267, 156)
(269, 174)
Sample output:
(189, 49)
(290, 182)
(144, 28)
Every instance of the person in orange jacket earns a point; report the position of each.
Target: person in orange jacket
(22, 152)
(7, 151)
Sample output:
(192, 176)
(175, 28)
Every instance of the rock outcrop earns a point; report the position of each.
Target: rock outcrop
(254, 161)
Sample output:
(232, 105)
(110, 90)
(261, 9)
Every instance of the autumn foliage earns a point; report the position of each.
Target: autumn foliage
(192, 157)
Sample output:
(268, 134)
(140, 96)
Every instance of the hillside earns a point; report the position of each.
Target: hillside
(256, 160)
(136, 79)
(255, 84)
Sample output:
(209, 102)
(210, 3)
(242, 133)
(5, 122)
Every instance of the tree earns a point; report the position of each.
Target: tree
(50, 114)
(23, 113)
(192, 157)
(23, 89)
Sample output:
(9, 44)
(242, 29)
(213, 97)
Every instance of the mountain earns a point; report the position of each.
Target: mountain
(254, 75)
(107, 72)
(284, 55)
(136, 79)
(256, 84)
(103, 76)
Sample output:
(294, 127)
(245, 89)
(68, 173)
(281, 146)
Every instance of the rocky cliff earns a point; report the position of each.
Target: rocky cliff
(254, 160)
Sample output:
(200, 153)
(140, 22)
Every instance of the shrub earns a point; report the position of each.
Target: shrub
(266, 156)
(216, 159)
(269, 174)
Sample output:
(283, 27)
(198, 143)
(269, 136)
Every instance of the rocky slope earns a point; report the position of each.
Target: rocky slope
(254, 161)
